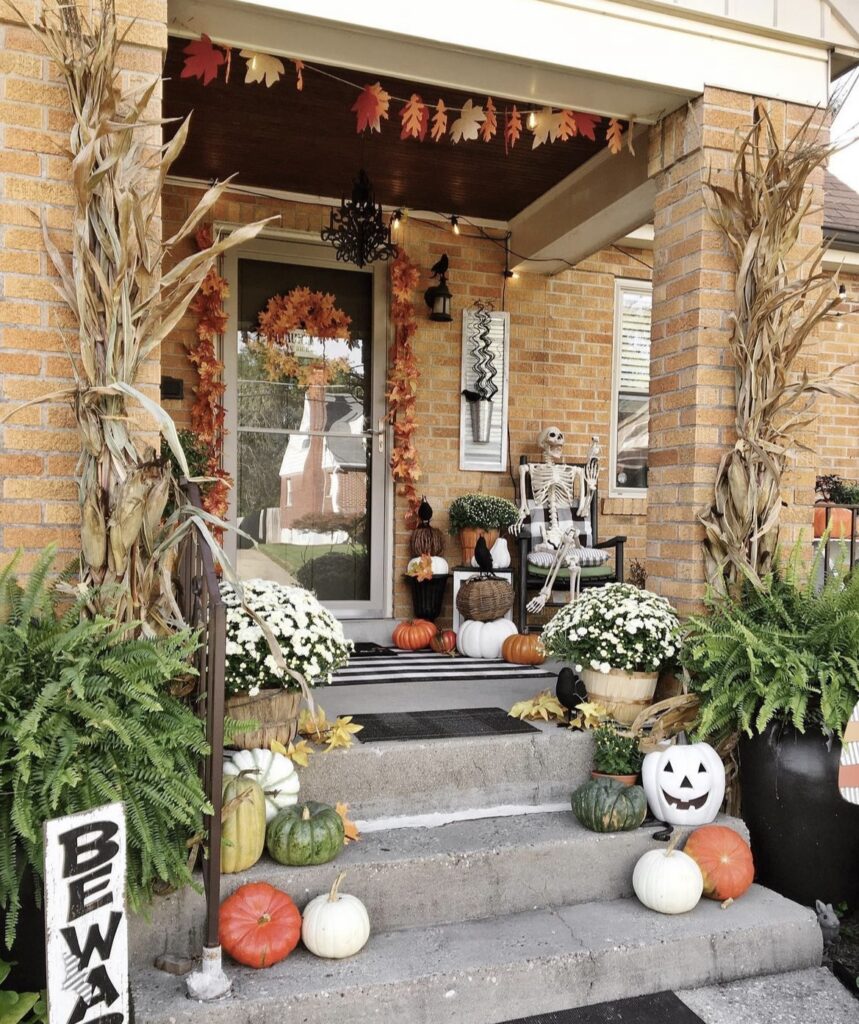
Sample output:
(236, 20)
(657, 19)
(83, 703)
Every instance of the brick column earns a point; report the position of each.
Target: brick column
(39, 445)
(692, 379)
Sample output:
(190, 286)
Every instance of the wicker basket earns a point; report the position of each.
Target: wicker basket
(623, 694)
(276, 711)
(484, 598)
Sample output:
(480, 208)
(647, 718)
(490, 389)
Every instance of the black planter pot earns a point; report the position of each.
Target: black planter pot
(428, 596)
(805, 838)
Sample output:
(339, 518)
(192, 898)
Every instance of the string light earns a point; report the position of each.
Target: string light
(454, 223)
(532, 120)
(509, 275)
(397, 217)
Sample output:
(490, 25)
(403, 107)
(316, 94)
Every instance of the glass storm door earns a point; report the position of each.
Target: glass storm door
(305, 443)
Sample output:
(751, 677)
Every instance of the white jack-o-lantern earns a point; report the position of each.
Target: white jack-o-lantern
(685, 784)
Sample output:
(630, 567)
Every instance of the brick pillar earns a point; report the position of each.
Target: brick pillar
(692, 379)
(39, 446)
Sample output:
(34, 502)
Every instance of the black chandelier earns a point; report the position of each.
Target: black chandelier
(357, 231)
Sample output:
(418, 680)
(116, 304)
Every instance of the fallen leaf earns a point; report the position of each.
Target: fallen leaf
(467, 126)
(439, 122)
(588, 715)
(512, 128)
(299, 74)
(490, 124)
(341, 733)
(278, 748)
(414, 118)
(262, 67)
(202, 60)
(545, 705)
(586, 124)
(371, 106)
(350, 829)
(313, 725)
(299, 753)
(614, 136)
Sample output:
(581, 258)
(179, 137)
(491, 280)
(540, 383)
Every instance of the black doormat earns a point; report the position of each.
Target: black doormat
(661, 1008)
(367, 649)
(438, 725)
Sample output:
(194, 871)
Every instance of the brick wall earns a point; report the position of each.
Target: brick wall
(561, 332)
(39, 445)
(837, 449)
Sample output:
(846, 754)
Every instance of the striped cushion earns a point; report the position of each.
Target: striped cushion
(588, 572)
(539, 516)
(584, 556)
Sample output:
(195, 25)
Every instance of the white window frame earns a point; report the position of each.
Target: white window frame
(621, 285)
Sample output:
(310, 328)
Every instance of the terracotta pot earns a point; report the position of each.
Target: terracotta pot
(468, 537)
(840, 522)
(276, 713)
(626, 780)
(622, 694)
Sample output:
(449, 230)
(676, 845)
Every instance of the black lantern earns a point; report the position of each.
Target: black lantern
(357, 230)
(438, 296)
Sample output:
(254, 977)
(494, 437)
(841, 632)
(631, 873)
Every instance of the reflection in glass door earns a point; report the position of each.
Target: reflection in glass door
(309, 476)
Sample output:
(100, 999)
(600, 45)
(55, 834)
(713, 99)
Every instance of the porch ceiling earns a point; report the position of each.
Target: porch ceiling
(306, 142)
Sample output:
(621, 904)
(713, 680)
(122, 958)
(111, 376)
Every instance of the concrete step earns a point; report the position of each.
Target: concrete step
(391, 779)
(486, 972)
(462, 871)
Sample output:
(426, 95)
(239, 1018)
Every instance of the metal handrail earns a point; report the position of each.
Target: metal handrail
(829, 506)
(203, 609)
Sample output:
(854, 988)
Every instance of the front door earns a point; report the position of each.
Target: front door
(305, 434)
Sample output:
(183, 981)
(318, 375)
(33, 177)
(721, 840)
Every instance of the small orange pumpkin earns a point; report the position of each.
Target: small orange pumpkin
(523, 649)
(444, 642)
(414, 634)
(725, 861)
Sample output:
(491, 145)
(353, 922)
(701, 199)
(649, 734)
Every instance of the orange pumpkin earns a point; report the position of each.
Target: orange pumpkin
(840, 522)
(444, 642)
(725, 861)
(259, 925)
(523, 649)
(414, 634)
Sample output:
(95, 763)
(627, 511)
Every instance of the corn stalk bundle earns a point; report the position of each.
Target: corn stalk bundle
(780, 300)
(125, 306)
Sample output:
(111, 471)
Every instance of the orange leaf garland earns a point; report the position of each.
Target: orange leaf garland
(202, 60)
(614, 136)
(467, 126)
(586, 124)
(565, 127)
(402, 381)
(414, 118)
(439, 122)
(512, 128)
(262, 67)
(371, 106)
(299, 74)
(490, 124)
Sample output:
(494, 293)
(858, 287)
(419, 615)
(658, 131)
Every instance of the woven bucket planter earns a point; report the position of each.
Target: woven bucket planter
(622, 694)
(484, 598)
(468, 537)
(276, 712)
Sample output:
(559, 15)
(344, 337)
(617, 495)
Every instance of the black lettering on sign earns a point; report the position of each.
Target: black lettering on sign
(84, 890)
(94, 942)
(102, 991)
(80, 856)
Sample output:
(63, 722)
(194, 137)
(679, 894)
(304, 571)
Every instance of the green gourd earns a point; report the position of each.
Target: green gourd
(606, 805)
(243, 830)
(308, 833)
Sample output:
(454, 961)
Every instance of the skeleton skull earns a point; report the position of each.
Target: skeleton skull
(551, 442)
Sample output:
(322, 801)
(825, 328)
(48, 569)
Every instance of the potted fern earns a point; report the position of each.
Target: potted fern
(779, 664)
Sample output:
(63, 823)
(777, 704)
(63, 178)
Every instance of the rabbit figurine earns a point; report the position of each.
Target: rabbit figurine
(828, 921)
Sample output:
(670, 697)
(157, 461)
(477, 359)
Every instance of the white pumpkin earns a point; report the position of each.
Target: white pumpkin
(685, 783)
(668, 881)
(500, 554)
(438, 565)
(335, 924)
(274, 772)
(484, 639)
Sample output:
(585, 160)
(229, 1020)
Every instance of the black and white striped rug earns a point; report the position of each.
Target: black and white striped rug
(421, 666)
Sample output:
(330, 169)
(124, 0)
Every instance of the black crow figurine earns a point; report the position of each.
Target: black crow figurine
(439, 269)
(482, 555)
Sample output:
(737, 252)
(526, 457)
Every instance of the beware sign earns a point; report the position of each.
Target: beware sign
(87, 930)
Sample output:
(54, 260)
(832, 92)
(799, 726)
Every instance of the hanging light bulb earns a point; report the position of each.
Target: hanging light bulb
(454, 223)
(397, 218)
(532, 120)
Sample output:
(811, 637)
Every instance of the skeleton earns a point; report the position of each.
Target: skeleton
(554, 484)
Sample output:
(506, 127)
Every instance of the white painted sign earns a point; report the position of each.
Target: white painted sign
(87, 930)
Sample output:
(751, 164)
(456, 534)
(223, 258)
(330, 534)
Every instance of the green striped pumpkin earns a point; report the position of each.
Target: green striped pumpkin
(606, 805)
(308, 833)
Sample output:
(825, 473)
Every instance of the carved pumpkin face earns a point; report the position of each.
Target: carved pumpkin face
(685, 785)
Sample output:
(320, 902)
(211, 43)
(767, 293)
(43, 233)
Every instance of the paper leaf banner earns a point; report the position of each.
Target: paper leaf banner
(417, 119)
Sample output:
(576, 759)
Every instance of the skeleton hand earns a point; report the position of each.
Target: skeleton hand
(538, 603)
(516, 528)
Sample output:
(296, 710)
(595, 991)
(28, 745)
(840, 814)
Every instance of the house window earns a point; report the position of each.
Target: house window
(630, 389)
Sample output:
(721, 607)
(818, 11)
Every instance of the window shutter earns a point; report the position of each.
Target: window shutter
(635, 343)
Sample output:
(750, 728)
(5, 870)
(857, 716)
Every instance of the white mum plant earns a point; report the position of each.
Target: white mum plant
(310, 637)
(617, 626)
